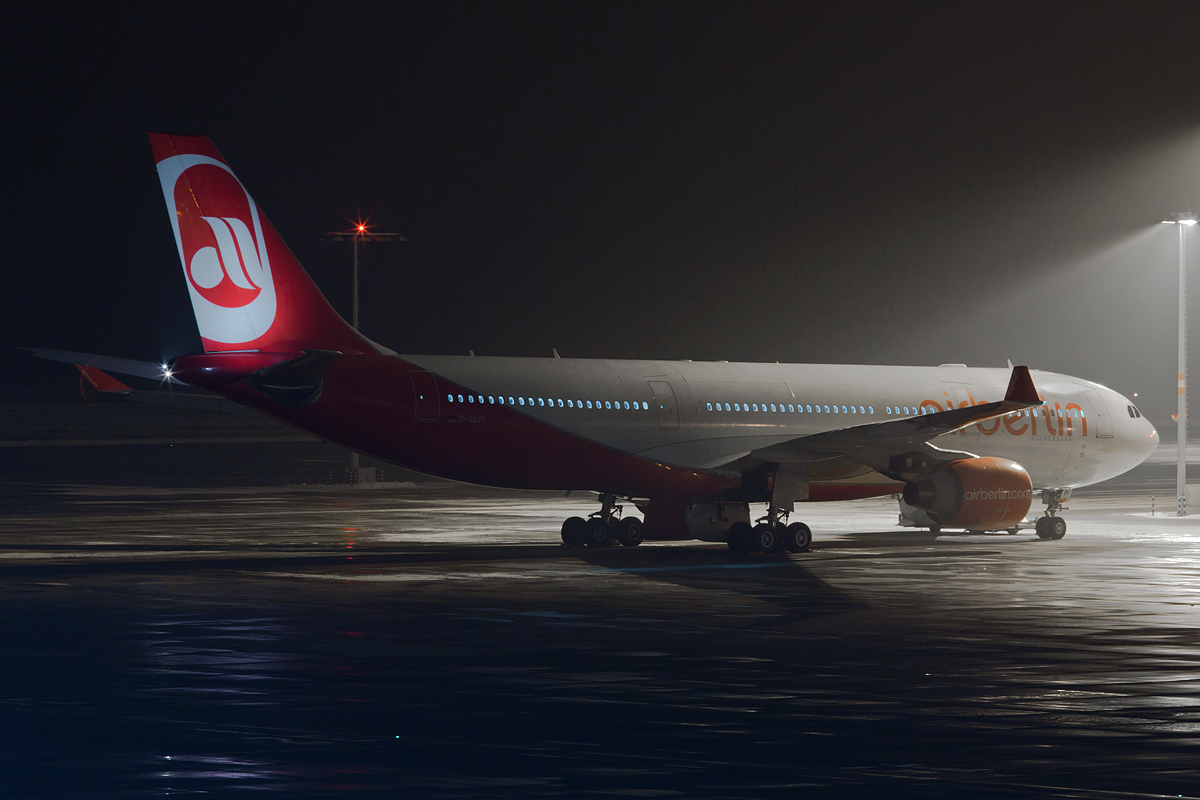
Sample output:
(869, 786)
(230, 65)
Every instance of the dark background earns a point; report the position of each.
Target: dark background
(883, 183)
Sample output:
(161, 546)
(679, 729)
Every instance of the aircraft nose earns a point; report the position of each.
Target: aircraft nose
(1151, 440)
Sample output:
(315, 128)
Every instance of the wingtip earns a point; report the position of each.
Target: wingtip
(1021, 388)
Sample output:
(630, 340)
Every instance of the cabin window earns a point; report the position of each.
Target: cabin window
(522, 401)
(870, 409)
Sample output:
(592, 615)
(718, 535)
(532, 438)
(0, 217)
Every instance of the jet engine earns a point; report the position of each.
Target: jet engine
(983, 494)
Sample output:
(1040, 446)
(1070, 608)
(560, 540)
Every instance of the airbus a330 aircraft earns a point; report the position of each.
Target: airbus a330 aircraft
(691, 444)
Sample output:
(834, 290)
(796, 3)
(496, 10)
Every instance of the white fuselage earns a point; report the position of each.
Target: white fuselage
(708, 415)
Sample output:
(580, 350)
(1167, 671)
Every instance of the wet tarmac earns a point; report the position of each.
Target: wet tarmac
(210, 618)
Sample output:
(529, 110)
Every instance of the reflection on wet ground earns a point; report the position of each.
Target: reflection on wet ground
(435, 641)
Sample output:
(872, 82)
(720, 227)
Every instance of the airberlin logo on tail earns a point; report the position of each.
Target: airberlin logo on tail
(220, 239)
(236, 257)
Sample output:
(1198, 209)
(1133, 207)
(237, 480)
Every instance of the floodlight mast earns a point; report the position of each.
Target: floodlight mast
(359, 233)
(1181, 498)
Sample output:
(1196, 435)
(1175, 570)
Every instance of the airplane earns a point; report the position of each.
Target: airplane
(691, 444)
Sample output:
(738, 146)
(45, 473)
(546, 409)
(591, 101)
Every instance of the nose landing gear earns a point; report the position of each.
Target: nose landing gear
(604, 528)
(1052, 526)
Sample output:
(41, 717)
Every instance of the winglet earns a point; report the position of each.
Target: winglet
(1021, 389)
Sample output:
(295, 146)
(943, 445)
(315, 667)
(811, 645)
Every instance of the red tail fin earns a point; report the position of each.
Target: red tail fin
(248, 291)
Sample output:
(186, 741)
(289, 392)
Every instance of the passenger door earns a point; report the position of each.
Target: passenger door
(668, 408)
(428, 406)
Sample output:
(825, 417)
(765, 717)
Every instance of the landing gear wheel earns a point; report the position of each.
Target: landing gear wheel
(764, 538)
(1057, 528)
(739, 537)
(596, 533)
(1040, 528)
(629, 532)
(572, 532)
(797, 538)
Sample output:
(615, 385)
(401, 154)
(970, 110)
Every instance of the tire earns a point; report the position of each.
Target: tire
(629, 532)
(572, 532)
(797, 538)
(739, 537)
(1042, 528)
(596, 533)
(1056, 528)
(765, 538)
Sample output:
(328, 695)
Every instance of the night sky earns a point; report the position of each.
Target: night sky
(901, 183)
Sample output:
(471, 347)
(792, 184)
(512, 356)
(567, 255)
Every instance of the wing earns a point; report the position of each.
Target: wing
(903, 446)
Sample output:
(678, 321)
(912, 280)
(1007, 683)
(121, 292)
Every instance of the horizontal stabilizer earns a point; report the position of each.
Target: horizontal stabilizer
(122, 366)
(296, 382)
(101, 381)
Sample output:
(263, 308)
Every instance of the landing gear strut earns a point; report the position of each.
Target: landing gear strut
(772, 534)
(604, 528)
(1052, 526)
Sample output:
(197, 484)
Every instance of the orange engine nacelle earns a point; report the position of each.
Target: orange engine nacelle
(982, 494)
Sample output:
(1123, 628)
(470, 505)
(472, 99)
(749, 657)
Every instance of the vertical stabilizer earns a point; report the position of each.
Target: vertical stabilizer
(247, 289)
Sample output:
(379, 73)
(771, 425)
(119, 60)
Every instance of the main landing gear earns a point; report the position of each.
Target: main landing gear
(772, 534)
(1052, 526)
(604, 528)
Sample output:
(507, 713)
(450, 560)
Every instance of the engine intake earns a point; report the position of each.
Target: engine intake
(985, 494)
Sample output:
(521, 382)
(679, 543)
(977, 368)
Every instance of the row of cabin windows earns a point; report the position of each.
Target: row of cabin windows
(551, 402)
(802, 408)
(791, 409)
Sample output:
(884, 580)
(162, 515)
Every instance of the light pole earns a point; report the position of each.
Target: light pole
(359, 234)
(1183, 221)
